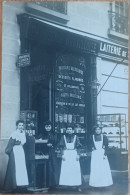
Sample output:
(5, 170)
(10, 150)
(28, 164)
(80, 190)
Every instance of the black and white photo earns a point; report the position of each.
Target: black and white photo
(64, 97)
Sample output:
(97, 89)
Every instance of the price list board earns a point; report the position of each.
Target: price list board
(30, 119)
(70, 90)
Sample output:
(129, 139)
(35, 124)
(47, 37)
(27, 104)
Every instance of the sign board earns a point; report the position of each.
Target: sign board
(30, 119)
(113, 50)
(70, 74)
(23, 60)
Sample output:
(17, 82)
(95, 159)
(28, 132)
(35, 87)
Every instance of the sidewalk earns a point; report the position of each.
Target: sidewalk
(119, 187)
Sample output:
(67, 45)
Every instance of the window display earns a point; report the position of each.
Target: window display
(114, 127)
(70, 93)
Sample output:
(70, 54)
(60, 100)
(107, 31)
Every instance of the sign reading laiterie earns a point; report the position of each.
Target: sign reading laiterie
(113, 50)
(23, 60)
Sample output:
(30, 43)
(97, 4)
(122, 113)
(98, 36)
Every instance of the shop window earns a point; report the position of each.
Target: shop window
(70, 93)
(60, 6)
(50, 10)
(118, 17)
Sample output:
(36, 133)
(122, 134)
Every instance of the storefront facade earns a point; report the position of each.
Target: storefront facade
(64, 62)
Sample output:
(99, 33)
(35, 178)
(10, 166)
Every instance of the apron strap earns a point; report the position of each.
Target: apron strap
(95, 141)
(74, 139)
(65, 139)
(102, 139)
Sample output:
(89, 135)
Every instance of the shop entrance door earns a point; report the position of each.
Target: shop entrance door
(40, 102)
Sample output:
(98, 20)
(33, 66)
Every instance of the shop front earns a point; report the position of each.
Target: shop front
(57, 85)
(54, 86)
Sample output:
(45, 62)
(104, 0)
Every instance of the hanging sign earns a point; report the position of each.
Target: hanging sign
(23, 60)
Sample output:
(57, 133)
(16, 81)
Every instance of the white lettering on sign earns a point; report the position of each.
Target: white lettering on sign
(110, 49)
(23, 60)
(124, 54)
(113, 49)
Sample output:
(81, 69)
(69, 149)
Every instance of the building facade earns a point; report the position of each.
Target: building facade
(72, 48)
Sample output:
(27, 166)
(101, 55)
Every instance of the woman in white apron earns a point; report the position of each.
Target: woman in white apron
(100, 173)
(70, 167)
(16, 174)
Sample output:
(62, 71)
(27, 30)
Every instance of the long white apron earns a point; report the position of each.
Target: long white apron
(70, 168)
(19, 157)
(100, 174)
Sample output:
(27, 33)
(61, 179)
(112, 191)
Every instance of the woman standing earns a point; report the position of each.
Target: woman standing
(100, 173)
(70, 167)
(52, 164)
(16, 174)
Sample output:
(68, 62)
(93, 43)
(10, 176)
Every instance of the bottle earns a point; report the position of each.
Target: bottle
(65, 118)
(56, 117)
(82, 119)
(69, 118)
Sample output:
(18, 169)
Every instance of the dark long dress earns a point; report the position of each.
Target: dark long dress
(52, 163)
(69, 138)
(12, 178)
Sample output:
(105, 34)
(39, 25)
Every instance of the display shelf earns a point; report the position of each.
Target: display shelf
(114, 127)
(41, 141)
(37, 157)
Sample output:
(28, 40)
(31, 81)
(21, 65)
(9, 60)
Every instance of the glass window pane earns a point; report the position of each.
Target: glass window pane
(117, 9)
(122, 11)
(116, 3)
(121, 4)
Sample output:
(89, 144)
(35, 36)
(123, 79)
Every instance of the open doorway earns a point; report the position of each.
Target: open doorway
(40, 98)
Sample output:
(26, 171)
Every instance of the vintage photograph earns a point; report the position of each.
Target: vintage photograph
(64, 97)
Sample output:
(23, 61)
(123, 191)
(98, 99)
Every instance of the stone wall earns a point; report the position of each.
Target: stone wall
(10, 100)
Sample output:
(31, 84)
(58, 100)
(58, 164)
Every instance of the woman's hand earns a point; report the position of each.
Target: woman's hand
(77, 157)
(18, 142)
(63, 158)
(49, 145)
(93, 148)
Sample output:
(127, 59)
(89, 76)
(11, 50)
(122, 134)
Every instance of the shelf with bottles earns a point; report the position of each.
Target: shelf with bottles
(77, 128)
(68, 114)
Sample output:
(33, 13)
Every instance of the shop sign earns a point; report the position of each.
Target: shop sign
(70, 89)
(23, 60)
(113, 50)
(30, 119)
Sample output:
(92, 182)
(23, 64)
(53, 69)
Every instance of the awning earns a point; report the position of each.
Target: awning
(65, 36)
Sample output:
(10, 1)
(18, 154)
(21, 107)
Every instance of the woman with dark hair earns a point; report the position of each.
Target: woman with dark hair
(52, 164)
(16, 174)
(70, 167)
(100, 173)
